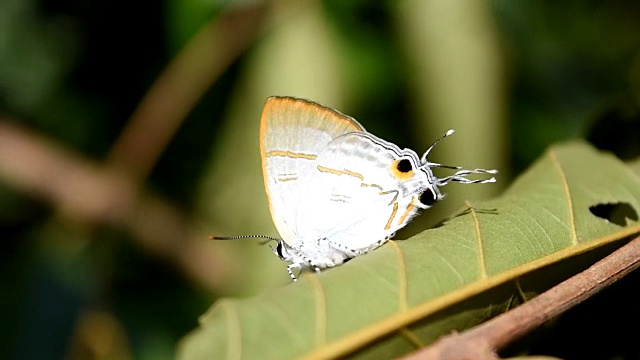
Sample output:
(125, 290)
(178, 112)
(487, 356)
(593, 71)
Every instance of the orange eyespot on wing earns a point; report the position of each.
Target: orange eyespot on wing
(401, 169)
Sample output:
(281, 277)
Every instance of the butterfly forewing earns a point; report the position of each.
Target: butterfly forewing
(292, 134)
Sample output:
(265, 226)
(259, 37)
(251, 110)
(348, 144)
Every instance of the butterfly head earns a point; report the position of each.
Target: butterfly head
(282, 250)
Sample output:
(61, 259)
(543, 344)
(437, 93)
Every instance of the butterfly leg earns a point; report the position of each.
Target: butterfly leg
(312, 265)
(290, 271)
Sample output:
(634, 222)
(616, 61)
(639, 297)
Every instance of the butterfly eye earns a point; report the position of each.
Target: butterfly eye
(404, 166)
(428, 197)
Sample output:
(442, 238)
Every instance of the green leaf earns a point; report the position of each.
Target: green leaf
(479, 263)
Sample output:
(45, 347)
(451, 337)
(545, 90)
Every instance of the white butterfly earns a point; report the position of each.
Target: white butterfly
(336, 191)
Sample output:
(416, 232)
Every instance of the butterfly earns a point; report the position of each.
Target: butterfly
(335, 190)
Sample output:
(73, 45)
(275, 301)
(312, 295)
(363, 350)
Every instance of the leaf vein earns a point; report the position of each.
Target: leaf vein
(411, 338)
(403, 277)
(476, 225)
(567, 193)
(454, 269)
(321, 310)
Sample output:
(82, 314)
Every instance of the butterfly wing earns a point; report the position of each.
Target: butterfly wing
(359, 194)
(292, 134)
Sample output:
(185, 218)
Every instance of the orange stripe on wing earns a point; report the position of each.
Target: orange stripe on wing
(353, 173)
(406, 212)
(283, 179)
(290, 154)
(340, 172)
(393, 214)
(382, 192)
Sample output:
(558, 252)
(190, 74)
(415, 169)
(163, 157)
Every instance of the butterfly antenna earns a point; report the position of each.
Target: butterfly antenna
(460, 177)
(269, 238)
(426, 153)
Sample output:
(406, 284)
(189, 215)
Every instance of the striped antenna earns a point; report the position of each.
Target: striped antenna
(269, 238)
(426, 153)
(460, 177)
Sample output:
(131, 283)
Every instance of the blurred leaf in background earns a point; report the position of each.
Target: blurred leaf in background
(128, 134)
(571, 63)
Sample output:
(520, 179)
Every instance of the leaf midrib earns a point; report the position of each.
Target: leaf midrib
(364, 336)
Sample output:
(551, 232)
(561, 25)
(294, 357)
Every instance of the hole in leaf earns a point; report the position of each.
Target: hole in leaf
(617, 213)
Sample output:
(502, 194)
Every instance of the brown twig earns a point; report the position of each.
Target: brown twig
(87, 193)
(484, 341)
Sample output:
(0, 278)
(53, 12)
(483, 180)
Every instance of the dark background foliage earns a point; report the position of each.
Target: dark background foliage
(73, 73)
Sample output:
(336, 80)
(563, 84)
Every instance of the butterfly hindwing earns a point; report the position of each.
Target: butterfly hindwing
(356, 197)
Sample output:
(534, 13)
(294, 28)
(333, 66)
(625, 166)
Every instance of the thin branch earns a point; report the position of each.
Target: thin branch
(85, 192)
(485, 340)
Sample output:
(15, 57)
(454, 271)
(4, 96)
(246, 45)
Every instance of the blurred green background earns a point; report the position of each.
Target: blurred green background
(129, 134)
